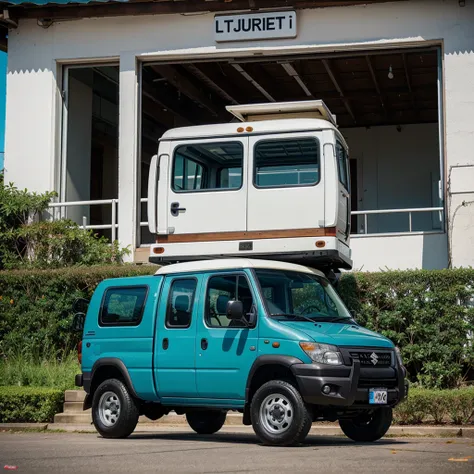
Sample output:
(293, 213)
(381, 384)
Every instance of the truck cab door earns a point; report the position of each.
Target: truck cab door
(226, 349)
(174, 356)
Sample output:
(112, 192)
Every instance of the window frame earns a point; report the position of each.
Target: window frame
(168, 301)
(283, 186)
(205, 168)
(101, 323)
(206, 304)
(347, 185)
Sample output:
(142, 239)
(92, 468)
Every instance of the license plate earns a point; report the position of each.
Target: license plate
(377, 396)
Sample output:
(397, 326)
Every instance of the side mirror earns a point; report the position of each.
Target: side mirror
(78, 322)
(80, 306)
(235, 310)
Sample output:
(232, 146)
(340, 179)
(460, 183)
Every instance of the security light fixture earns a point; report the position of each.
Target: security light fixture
(390, 72)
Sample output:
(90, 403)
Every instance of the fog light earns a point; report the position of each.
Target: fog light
(326, 389)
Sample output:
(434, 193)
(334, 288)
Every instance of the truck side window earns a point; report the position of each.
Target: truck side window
(221, 290)
(180, 303)
(205, 166)
(286, 162)
(123, 306)
(342, 171)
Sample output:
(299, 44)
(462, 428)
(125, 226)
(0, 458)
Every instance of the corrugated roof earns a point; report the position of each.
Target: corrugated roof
(58, 2)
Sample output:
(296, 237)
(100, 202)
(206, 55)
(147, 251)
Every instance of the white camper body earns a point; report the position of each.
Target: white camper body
(275, 186)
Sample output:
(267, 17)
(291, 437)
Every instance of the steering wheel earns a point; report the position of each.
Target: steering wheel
(311, 307)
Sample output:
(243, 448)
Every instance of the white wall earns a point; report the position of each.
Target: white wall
(373, 254)
(396, 170)
(32, 94)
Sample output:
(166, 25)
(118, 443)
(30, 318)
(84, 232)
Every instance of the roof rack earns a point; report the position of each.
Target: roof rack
(282, 110)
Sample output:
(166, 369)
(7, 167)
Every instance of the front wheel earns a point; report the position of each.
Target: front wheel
(369, 426)
(279, 414)
(114, 411)
(206, 422)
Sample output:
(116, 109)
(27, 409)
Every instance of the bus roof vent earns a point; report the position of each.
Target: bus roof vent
(282, 110)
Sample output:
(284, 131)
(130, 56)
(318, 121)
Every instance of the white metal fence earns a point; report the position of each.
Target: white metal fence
(59, 211)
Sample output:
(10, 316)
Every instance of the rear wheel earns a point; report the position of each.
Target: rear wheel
(369, 426)
(279, 414)
(114, 411)
(206, 422)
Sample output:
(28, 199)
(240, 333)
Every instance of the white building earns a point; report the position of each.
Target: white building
(91, 88)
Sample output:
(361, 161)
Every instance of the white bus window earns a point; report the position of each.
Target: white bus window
(207, 166)
(286, 162)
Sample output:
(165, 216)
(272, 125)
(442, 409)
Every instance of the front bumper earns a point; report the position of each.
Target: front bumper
(349, 384)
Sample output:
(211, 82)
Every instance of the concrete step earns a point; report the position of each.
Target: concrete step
(74, 395)
(73, 407)
(74, 418)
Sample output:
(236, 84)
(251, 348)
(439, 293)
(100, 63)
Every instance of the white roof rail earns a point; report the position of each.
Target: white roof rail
(282, 110)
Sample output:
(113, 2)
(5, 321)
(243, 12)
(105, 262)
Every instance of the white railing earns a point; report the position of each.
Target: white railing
(410, 211)
(143, 224)
(61, 206)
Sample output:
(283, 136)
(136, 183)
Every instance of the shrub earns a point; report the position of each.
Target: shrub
(29, 404)
(35, 307)
(455, 406)
(428, 314)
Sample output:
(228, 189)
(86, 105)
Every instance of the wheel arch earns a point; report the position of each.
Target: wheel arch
(103, 369)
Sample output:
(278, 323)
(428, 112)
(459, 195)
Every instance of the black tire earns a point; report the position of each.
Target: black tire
(299, 414)
(126, 418)
(367, 428)
(206, 422)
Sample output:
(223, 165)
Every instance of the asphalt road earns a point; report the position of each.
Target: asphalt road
(228, 453)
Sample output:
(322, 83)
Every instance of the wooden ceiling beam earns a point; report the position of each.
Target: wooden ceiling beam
(193, 69)
(149, 92)
(292, 72)
(184, 85)
(249, 78)
(376, 84)
(407, 76)
(338, 88)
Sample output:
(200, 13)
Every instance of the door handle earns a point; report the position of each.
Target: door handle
(165, 343)
(204, 344)
(175, 209)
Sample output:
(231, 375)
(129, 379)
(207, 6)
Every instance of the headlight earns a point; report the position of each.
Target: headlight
(399, 356)
(322, 353)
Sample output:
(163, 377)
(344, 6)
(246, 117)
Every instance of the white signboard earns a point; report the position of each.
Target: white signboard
(255, 26)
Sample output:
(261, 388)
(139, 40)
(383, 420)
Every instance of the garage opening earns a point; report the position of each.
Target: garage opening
(386, 105)
(89, 158)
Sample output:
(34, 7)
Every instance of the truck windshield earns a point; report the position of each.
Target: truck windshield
(294, 295)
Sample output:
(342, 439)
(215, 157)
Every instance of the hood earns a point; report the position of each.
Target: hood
(339, 334)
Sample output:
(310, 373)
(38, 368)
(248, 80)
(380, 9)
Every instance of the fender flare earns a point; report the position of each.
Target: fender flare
(112, 362)
(261, 361)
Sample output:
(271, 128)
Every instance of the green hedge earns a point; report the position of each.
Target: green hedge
(437, 406)
(29, 404)
(429, 314)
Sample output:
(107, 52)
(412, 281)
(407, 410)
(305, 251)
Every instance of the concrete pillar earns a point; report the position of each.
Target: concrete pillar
(127, 161)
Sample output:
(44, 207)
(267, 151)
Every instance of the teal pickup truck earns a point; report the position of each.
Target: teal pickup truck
(271, 340)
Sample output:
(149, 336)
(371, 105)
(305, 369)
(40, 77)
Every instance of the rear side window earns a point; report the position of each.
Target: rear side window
(123, 306)
(180, 303)
(286, 162)
(342, 170)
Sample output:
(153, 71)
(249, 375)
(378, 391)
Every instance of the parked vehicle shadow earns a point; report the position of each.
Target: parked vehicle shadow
(247, 438)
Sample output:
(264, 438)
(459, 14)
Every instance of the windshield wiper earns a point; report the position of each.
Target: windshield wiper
(294, 316)
(340, 319)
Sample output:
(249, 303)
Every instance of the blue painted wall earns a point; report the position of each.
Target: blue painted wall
(3, 96)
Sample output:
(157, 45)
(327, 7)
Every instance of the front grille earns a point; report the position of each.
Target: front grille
(377, 383)
(373, 358)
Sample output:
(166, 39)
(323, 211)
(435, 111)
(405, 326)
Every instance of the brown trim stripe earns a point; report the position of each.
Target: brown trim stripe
(252, 235)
